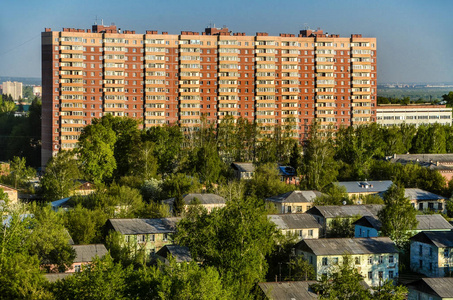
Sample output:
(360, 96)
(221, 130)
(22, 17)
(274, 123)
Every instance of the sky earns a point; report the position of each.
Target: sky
(414, 38)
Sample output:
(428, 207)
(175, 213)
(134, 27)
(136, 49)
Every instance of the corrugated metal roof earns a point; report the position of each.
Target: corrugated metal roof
(425, 222)
(441, 286)
(421, 195)
(204, 199)
(441, 239)
(144, 226)
(365, 186)
(294, 221)
(335, 211)
(180, 253)
(243, 167)
(86, 253)
(434, 221)
(342, 246)
(295, 197)
(294, 290)
(442, 158)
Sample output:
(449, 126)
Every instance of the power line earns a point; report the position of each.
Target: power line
(8, 51)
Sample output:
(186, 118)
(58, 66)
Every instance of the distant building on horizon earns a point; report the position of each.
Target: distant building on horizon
(161, 78)
(12, 88)
(414, 114)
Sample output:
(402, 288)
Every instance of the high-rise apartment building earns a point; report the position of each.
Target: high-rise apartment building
(12, 88)
(161, 78)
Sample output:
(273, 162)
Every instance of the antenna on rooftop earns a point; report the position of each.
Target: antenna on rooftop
(96, 20)
(306, 27)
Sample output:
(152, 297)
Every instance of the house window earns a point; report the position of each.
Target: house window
(289, 209)
(335, 261)
(430, 252)
(391, 275)
(439, 206)
(420, 206)
(360, 232)
(370, 260)
(430, 266)
(310, 232)
(141, 238)
(300, 233)
(381, 259)
(370, 275)
(357, 260)
(420, 264)
(165, 238)
(381, 274)
(445, 252)
(420, 250)
(77, 268)
(324, 261)
(391, 259)
(151, 237)
(298, 209)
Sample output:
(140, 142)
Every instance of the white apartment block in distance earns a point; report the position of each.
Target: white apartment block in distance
(389, 115)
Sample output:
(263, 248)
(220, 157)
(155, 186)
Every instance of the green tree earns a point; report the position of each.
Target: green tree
(333, 194)
(179, 184)
(389, 291)
(85, 225)
(320, 167)
(205, 163)
(342, 227)
(60, 177)
(301, 269)
(234, 239)
(344, 282)
(96, 149)
(49, 239)
(168, 142)
(20, 275)
(398, 216)
(20, 173)
(266, 182)
(103, 279)
(448, 98)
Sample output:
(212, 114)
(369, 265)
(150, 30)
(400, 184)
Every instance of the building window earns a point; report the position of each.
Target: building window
(335, 261)
(381, 259)
(420, 264)
(77, 268)
(370, 260)
(324, 261)
(165, 238)
(391, 259)
(391, 274)
(446, 252)
(300, 233)
(370, 275)
(420, 250)
(310, 232)
(357, 260)
(381, 274)
(430, 266)
(141, 238)
(430, 252)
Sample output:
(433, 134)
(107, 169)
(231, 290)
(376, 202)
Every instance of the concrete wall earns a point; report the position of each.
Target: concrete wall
(362, 231)
(434, 263)
(363, 265)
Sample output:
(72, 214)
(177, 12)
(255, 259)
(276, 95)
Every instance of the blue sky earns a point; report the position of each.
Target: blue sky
(414, 38)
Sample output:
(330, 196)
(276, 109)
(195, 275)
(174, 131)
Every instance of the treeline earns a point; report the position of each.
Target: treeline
(20, 135)
(113, 149)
